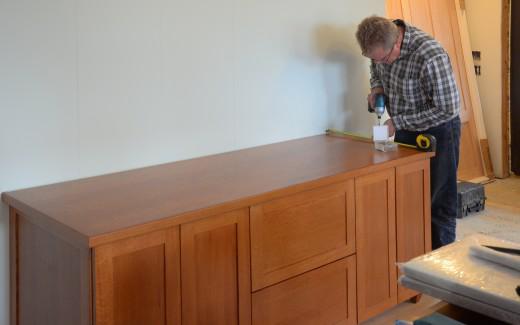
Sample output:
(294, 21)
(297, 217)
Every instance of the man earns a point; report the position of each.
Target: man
(414, 71)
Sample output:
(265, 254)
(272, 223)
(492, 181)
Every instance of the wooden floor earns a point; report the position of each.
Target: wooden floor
(503, 193)
(407, 311)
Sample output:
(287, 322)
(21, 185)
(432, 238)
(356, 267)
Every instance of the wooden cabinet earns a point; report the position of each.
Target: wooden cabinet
(216, 282)
(137, 280)
(375, 243)
(326, 295)
(301, 232)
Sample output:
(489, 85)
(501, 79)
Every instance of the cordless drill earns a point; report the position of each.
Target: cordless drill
(379, 106)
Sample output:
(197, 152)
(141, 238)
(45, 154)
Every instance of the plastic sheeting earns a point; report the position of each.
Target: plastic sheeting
(454, 270)
(461, 301)
(509, 260)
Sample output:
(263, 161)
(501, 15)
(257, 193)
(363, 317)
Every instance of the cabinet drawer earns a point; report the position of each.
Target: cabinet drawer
(298, 233)
(323, 296)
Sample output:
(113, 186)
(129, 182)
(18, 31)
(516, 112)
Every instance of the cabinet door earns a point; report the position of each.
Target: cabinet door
(137, 280)
(375, 243)
(298, 233)
(326, 295)
(413, 215)
(215, 270)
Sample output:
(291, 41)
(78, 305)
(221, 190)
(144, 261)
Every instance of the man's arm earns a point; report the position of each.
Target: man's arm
(439, 84)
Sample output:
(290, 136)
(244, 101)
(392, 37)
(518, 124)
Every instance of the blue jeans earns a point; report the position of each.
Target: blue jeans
(443, 178)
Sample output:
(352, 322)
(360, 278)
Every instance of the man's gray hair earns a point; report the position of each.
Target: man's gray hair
(376, 32)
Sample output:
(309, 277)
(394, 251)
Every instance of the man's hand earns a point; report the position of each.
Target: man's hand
(391, 127)
(371, 98)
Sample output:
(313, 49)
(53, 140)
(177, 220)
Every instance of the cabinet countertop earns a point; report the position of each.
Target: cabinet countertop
(98, 209)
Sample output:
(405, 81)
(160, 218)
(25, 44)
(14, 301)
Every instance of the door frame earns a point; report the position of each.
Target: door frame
(506, 71)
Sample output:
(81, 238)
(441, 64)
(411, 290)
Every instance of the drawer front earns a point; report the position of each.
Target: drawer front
(301, 232)
(323, 296)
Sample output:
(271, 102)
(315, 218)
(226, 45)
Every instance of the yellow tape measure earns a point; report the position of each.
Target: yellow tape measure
(425, 142)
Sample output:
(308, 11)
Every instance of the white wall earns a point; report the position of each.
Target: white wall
(95, 86)
(484, 26)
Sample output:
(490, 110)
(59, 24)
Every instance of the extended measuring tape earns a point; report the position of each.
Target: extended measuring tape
(425, 142)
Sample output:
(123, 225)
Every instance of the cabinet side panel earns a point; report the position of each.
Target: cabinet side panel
(13, 267)
(53, 278)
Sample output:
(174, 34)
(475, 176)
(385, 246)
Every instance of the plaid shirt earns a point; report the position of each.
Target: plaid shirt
(420, 84)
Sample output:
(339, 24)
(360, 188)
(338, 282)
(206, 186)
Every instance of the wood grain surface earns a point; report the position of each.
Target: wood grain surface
(97, 210)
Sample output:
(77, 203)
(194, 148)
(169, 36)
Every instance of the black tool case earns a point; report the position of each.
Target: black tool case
(470, 198)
